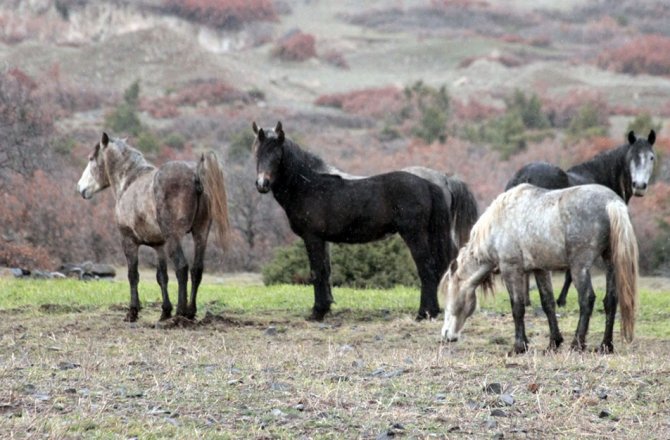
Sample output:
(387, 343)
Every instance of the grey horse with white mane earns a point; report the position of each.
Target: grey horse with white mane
(533, 230)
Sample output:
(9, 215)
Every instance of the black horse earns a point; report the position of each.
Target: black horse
(625, 169)
(324, 207)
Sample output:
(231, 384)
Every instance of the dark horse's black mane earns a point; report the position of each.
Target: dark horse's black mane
(607, 168)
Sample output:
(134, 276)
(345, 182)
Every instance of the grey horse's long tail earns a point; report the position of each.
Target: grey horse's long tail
(623, 247)
(464, 210)
(210, 173)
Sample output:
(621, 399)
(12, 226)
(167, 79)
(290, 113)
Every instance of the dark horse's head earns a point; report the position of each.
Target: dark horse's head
(640, 161)
(268, 148)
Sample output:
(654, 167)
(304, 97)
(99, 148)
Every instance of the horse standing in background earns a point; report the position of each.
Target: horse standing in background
(323, 207)
(156, 207)
(531, 229)
(626, 170)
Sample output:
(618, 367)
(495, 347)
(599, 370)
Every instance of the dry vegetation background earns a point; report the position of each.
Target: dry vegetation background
(474, 88)
(471, 87)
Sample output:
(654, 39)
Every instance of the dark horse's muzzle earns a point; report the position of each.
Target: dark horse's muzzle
(262, 184)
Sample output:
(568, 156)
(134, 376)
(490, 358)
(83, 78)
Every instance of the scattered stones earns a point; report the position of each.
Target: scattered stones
(440, 397)
(493, 388)
(271, 331)
(299, 407)
(395, 373)
(67, 365)
(278, 413)
(507, 399)
(498, 436)
(491, 424)
(606, 414)
(498, 413)
(280, 386)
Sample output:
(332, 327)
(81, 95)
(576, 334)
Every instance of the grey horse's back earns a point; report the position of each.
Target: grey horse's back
(460, 201)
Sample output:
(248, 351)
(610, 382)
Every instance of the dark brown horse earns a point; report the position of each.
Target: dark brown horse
(157, 207)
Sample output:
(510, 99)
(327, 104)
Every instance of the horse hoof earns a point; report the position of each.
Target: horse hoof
(317, 315)
(517, 350)
(131, 316)
(576, 346)
(165, 316)
(605, 348)
(560, 303)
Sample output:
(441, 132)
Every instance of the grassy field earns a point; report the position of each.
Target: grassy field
(252, 367)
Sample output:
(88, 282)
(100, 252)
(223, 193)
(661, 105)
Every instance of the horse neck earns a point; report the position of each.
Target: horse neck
(608, 169)
(123, 170)
(295, 176)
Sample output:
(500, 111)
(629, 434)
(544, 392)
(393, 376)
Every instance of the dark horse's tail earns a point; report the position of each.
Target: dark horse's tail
(463, 209)
(439, 226)
(210, 173)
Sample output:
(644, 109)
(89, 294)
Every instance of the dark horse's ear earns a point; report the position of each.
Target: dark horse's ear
(631, 137)
(105, 140)
(280, 131)
(652, 137)
(261, 135)
(254, 127)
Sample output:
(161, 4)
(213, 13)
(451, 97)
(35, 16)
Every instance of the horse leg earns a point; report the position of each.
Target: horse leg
(319, 263)
(130, 248)
(564, 291)
(517, 286)
(543, 280)
(428, 274)
(200, 244)
(610, 303)
(181, 270)
(162, 279)
(587, 297)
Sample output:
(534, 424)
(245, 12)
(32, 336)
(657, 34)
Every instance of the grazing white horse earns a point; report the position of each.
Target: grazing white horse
(533, 230)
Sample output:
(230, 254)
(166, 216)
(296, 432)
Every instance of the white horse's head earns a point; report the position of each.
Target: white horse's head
(460, 302)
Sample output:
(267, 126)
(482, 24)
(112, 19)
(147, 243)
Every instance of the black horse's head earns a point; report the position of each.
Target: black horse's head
(640, 161)
(268, 148)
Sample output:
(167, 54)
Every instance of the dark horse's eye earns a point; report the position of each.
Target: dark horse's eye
(651, 158)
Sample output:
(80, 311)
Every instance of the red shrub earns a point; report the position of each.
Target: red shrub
(44, 221)
(367, 102)
(223, 13)
(296, 47)
(475, 110)
(24, 256)
(644, 54)
(335, 58)
(561, 110)
(210, 91)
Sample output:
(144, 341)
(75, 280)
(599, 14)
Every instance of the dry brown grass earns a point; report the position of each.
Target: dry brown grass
(83, 373)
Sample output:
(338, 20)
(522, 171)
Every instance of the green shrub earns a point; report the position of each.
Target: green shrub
(147, 142)
(175, 141)
(523, 122)
(382, 264)
(588, 122)
(124, 119)
(240, 145)
(643, 123)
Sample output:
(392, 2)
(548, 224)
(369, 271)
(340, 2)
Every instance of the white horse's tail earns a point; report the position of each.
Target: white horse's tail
(623, 247)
